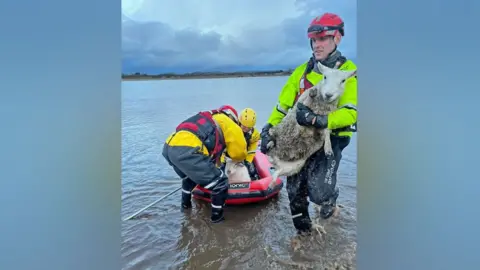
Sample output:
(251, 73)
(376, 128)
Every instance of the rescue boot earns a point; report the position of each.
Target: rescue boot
(302, 222)
(186, 201)
(329, 207)
(217, 215)
(187, 187)
(219, 197)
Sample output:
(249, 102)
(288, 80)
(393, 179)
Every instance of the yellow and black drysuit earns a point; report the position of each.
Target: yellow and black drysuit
(194, 152)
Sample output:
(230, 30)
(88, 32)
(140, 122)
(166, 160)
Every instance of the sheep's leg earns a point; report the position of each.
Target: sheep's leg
(275, 175)
(327, 143)
(285, 168)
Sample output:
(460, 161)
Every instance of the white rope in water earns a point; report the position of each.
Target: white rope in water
(153, 203)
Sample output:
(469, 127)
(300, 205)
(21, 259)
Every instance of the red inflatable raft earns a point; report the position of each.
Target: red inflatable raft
(248, 192)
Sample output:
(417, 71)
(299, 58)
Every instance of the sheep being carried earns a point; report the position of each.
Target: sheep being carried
(292, 144)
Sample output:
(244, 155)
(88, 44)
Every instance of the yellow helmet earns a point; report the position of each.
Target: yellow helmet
(248, 118)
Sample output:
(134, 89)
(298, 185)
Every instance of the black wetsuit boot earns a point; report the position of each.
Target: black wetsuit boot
(219, 196)
(217, 215)
(187, 187)
(328, 207)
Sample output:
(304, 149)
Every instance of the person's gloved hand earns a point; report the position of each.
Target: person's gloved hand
(306, 117)
(265, 138)
(250, 168)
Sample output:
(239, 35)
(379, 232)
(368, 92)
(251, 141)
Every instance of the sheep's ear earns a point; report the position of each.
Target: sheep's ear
(350, 74)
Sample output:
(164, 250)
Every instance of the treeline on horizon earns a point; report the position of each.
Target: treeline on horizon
(209, 73)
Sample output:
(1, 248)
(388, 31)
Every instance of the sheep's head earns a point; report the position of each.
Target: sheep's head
(231, 166)
(333, 83)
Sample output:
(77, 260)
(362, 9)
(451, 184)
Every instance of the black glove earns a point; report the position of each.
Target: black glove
(250, 168)
(306, 117)
(265, 138)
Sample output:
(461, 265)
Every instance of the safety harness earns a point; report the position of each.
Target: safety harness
(306, 84)
(204, 126)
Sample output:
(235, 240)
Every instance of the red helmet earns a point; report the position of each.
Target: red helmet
(230, 111)
(326, 25)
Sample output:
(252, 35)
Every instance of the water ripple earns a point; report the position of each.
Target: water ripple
(258, 236)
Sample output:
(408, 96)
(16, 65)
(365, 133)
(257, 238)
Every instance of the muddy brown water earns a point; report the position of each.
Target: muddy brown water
(257, 236)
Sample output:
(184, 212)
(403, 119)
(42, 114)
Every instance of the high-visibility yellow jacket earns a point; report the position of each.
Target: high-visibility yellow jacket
(252, 145)
(344, 117)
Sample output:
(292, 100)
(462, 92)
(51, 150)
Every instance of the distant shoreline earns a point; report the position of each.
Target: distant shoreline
(204, 75)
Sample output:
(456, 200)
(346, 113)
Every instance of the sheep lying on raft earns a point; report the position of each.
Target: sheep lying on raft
(294, 143)
(236, 172)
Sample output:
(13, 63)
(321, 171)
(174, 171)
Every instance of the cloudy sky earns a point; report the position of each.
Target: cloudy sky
(209, 35)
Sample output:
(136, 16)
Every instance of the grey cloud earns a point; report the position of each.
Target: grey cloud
(156, 44)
